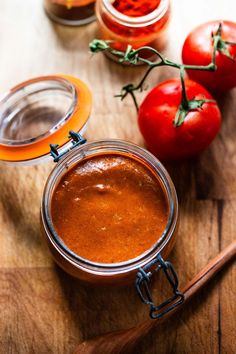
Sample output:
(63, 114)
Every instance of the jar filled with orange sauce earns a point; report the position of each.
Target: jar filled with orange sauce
(109, 208)
(109, 211)
(133, 22)
(70, 12)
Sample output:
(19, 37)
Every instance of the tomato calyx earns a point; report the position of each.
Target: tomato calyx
(220, 44)
(183, 111)
(186, 105)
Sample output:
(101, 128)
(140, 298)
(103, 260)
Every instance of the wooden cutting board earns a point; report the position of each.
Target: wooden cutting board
(43, 310)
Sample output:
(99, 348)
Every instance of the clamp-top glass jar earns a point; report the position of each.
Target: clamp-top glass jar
(81, 213)
(70, 12)
(133, 23)
(112, 189)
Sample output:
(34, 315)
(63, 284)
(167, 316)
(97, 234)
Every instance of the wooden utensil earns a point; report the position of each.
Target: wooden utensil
(124, 341)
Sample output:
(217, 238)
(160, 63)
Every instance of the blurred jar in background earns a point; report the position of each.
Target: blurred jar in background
(135, 22)
(70, 12)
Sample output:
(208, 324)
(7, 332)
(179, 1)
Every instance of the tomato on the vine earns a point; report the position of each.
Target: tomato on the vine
(198, 49)
(157, 118)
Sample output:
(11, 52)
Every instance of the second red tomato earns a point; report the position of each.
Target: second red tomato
(198, 49)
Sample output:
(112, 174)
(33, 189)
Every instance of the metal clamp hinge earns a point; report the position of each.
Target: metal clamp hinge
(142, 285)
(76, 140)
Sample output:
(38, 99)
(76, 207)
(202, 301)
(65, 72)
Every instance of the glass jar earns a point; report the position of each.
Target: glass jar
(42, 111)
(70, 12)
(107, 273)
(123, 30)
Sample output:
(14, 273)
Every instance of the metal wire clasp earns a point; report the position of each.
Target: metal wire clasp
(76, 140)
(142, 285)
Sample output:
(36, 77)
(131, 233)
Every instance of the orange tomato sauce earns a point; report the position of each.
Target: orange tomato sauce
(109, 208)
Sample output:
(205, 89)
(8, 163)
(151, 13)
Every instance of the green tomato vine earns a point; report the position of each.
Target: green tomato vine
(132, 56)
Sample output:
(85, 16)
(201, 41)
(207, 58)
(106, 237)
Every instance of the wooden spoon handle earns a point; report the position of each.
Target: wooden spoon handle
(212, 268)
(124, 341)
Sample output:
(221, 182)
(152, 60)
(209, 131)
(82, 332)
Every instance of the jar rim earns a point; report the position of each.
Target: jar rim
(140, 21)
(98, 148)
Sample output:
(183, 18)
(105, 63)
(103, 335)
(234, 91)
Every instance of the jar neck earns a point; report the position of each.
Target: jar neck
(140, 21)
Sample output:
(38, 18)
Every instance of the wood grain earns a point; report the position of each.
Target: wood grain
(43, 310)
(126, 341)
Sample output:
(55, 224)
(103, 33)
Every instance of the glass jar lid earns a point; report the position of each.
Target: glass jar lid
(39, 112)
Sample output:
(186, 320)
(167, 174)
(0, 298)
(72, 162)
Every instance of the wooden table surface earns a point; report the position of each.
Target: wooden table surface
(42, 309)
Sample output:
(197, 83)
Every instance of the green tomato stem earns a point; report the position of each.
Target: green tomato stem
(184, 100)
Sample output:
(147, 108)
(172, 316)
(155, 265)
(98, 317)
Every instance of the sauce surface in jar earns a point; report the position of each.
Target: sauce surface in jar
(109, 208)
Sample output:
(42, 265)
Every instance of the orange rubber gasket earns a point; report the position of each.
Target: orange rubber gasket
(20, 153)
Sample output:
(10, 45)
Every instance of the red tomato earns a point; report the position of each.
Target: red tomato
(198, 48)
(156, 121)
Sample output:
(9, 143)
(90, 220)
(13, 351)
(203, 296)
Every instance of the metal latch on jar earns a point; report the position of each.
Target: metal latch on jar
(142, 285)
(76, 140)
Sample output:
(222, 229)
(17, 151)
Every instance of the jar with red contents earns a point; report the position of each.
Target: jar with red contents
(136, 23)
